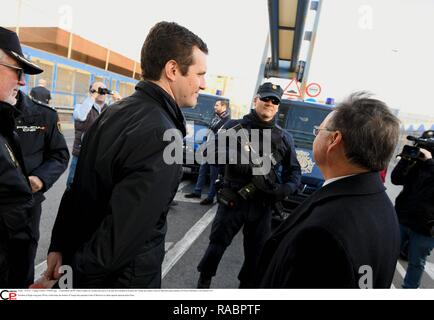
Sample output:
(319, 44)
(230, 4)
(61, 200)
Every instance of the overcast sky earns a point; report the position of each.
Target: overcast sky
(384, 46)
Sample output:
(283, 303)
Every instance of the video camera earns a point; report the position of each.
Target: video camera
(104, 91)
(413, 152)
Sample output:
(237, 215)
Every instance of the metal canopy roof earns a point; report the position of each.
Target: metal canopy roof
(287, 20)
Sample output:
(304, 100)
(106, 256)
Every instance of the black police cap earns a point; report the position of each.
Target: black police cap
(269, 89)
(10, 44)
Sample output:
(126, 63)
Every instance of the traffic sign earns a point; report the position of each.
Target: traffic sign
(313, 90)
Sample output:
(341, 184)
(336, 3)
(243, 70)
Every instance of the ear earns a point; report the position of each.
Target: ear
(170, 69)
(255, 100)
(335, 141)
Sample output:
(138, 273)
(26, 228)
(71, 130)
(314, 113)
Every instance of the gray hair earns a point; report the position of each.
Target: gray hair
(369, 130)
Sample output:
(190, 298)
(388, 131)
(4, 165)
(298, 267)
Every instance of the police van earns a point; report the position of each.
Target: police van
(299, 118)
(198, 121)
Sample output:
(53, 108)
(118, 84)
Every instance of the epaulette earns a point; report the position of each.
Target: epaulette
(43, 104)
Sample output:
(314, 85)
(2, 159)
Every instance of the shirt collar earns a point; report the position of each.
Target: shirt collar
(331, 180)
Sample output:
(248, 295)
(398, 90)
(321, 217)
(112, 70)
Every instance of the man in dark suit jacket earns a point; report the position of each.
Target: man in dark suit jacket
(346, 235)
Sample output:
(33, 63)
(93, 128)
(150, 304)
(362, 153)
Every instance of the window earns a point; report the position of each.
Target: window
(62, 100)
(126, 89)
(47, 75)
(81, 82)
(65, 78)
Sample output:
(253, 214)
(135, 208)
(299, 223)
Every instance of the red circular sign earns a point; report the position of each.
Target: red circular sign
(313, 90)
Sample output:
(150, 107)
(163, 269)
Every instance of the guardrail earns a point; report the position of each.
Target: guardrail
(65, 113)
(64, 109)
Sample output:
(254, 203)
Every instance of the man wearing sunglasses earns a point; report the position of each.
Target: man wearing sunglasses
(253, 213)
(84, 116)
(15, 191)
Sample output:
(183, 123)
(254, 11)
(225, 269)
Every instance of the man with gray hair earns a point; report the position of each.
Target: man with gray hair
(15, 191)
(349, 226)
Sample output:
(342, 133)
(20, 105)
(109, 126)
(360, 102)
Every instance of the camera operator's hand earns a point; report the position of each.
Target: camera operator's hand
(116, 96)
(426, 154)
(94, 94)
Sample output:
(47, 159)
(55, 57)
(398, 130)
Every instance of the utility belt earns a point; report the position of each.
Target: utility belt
(232, 194)
(227, 193)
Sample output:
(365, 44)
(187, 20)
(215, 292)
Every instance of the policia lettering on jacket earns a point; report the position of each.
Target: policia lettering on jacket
(45, 156)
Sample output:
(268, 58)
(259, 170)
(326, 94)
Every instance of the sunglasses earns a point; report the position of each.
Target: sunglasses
(19, 71)
(272, 99)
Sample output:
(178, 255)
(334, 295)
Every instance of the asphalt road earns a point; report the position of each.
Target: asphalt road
(187, 238)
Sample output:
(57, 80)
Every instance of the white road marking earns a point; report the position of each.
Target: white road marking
(183, 184)
(400, 269)
(178, 250)
(429, 269)
(39, 269)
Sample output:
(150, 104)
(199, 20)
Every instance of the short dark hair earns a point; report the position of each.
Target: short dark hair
(224, 102)
(168, 41)
(369, 130)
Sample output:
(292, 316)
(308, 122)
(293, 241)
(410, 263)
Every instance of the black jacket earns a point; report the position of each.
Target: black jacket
(220, 120)
(117, 206)
(41, 94)
(44, 148)
(282, 147)
(15, 193)
(415, 204)
(334, 237)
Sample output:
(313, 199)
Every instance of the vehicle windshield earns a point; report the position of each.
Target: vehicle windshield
(300, 121)
(203, 112)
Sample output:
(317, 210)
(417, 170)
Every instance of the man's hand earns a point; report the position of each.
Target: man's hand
(54, 262)
(116, 96)
(426, 154)
(93, 95)
(43, 283)
(35, 183)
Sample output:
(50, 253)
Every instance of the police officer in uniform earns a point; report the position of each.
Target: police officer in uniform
(236, 208)
(46, 157)
(15, 192)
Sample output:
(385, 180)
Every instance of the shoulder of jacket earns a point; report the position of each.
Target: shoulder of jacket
(40, 103)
